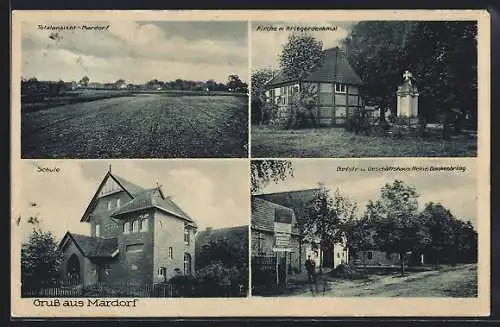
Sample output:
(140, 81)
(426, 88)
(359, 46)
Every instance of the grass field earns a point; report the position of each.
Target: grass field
(335, 142)
(139, 126)
(447, 281)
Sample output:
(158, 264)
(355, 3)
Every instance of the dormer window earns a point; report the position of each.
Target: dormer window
(97, 230)
(117, 202)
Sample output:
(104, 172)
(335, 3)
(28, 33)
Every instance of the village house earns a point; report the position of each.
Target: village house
(275, 209)
(138, 236)
(338, 88)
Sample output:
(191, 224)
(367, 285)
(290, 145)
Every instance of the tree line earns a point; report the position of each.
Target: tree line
(233, 84)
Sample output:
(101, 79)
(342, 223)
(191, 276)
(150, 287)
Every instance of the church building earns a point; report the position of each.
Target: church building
(334, 83)
(138, 236)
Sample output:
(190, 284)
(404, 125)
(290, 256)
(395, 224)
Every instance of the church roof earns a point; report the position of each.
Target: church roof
(93, 247)
(334, 68)
(148, 199)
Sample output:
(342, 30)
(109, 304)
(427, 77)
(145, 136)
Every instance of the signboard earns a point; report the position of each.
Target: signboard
(282, 235)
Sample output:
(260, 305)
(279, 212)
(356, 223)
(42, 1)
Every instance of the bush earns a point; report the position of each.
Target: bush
(217, 280)
(299, 113)
(358, 123)
(345, 271)
(183, 285)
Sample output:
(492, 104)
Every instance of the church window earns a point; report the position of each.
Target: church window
(126, 228)
(340, 88)
(97, 230)
(170, 253)
(144, 225)
(135, 226)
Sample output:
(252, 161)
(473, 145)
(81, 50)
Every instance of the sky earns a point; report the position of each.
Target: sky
(454, 190)
(267, 45)
(215, 193)
(137, 51)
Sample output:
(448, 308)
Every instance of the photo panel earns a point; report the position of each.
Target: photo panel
(384, 87)
(385, 230)
(133, 89)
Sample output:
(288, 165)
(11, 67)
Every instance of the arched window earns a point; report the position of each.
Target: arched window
(126, 228)
(135, 226)
(144, 225)
(187, 264)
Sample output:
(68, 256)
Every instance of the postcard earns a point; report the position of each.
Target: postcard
(185, 164)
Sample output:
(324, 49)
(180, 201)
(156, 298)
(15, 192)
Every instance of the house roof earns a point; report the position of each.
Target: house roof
(93, 247)
(140, 198)
(334, 68)
(148, 199)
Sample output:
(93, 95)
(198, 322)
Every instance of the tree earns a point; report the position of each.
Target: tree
(265, 171)
(85, 81)
(326, 216)
(439, 222)
(40, 257)
(360, 235)
(235, 84)
(398, 226)
(259, 79)
(301, 54)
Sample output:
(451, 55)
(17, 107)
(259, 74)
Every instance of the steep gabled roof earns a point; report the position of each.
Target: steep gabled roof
(147, 199)
(92, 247)
(130, 188)
(334, 68)
(295, 200)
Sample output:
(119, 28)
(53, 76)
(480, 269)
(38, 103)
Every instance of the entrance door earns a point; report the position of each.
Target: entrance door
(73, 269)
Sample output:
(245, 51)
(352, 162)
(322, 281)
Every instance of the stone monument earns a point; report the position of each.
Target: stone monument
(408, 97)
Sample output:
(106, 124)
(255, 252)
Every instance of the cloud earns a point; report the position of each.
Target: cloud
(200, 190)
(136, 52)
(267, 45)
(455, 190)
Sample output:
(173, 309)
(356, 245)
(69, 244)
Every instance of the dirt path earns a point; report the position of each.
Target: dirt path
(152, 126)
(459, 281)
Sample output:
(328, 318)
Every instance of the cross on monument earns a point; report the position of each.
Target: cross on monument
(407, 76)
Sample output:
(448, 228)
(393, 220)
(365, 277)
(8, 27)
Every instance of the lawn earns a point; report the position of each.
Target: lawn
(335, 142)
(139, 126)
(447, 281)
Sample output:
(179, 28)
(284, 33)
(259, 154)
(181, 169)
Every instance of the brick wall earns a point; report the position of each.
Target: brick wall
(109, 228)
(168, 233)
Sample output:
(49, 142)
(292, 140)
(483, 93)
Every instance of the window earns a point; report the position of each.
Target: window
(186, 236)
(144, 225)
(134, 247)
(187, 264)
(135, 226)
(162, 271)
(338, 255)
(117, 202)
(340, 88)
(109, 204)
(126, 228)
(97, 230)
(170, 253)
(370, 255)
